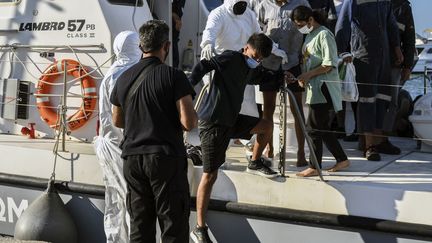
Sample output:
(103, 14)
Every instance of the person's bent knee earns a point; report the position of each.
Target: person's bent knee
(268, 125)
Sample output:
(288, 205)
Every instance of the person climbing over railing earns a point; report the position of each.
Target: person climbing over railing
(220, 118)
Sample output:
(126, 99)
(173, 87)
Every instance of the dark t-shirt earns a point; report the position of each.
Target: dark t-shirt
(152, 123)
(223, 103)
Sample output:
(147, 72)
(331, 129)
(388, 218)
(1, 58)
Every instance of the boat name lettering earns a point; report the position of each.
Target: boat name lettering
(9, 208)
(73, 25)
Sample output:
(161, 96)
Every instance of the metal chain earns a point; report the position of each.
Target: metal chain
(282, 130)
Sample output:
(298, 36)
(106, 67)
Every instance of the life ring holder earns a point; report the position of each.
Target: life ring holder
(49, 112)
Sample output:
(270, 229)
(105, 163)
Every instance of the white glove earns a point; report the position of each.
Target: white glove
(207, 52)
(280, 53)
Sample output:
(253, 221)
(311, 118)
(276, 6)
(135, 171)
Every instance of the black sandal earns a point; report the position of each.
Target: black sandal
(372, 154)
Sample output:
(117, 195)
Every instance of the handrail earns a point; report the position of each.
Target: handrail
(91, 48)
(17, 45)
(425, 78)
(313, 159)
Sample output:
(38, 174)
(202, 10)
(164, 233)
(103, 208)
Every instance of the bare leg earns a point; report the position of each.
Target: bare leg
(339, 166)
(301, 158)
(263, 130)
(203, 196)
(269, 109)
(369, 140)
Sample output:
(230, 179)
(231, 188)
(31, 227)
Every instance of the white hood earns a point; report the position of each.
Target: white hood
(126, 48)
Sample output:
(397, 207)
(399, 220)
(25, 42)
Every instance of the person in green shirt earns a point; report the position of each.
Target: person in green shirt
(321, 80)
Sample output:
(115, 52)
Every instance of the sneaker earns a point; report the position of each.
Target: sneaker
(372, 154)
(258, 168)
(387, 148)
(266, 161)
(200, 235)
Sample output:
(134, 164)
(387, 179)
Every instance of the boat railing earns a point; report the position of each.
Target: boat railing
(313, 161)
(426, 77)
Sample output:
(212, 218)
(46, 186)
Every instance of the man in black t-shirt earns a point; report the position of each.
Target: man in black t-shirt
(153, 103)
(220, 120)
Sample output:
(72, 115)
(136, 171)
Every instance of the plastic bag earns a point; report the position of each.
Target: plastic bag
(349, 88)
(116, 217)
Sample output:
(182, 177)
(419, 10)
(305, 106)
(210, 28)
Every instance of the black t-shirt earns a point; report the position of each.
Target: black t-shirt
(223, 103)
(152, 123)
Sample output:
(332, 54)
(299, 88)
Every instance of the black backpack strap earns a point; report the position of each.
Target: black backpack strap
(137, 83)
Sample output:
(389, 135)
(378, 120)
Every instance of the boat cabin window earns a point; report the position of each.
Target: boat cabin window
(126, 2)
(429, 51)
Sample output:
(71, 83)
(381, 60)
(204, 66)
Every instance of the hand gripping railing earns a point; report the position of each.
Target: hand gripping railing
(284, 93)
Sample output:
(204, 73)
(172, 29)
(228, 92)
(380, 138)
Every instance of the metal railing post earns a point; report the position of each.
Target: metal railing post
(282, 129)
(425, 73)
(63, 126)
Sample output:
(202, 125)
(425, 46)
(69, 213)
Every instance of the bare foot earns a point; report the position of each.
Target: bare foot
(301, 160)
(339, 166)
(308, 173)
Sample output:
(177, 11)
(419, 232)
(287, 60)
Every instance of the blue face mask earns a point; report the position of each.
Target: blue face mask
(252, 63)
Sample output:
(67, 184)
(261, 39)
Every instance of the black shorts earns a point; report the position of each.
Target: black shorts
(215, 139)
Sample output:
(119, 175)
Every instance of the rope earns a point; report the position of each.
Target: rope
(47, 63)
(369, 84)
(52, 107)
(70, 81)
(57, 142)
(372, 135)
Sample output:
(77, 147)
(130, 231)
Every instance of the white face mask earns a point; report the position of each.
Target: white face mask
(305, 30)
(252, 63)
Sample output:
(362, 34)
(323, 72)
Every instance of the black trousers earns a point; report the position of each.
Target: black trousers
(157, 188)
(318, 126)
(175, 49)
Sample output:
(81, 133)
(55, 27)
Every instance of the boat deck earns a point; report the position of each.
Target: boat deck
(398, 187)
(72, 146)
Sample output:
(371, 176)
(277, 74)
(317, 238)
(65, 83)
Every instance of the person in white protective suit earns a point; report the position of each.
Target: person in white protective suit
(228, 27)
(116, 219)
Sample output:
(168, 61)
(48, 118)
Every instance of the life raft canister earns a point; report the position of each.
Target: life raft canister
(48, 111)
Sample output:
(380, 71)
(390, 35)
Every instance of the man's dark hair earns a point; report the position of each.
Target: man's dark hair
(153, 34)
(261, 43)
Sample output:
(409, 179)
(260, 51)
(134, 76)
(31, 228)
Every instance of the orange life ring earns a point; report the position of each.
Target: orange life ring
(48, 111)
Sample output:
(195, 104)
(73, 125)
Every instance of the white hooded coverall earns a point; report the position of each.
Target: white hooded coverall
(116, 219)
